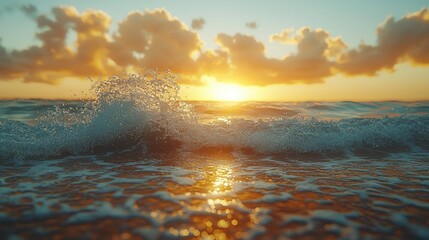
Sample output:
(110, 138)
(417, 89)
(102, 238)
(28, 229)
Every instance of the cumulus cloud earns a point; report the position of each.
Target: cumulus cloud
(213, 63)
(198, 23)
(397, 41)
(249, 65)
(285, 36)
(162, 41)
(252, 25)
(155, 39)
(152, 38)
(53, 60)
(310, 63)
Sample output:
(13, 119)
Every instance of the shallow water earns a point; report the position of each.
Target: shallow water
(216, 195)
(137, 163)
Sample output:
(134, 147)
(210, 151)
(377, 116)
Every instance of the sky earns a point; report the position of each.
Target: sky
(222, 50)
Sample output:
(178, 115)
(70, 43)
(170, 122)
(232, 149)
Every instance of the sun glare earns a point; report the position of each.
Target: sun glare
(228, 92)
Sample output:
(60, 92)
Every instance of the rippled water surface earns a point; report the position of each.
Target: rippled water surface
(138, 163)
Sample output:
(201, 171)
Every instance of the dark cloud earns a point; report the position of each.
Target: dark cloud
(252, 25)
(29, 10)
(198, 23)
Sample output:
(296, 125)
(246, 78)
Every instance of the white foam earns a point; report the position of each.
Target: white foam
(307, 185)
(274, 198)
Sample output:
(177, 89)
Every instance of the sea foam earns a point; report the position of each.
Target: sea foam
(143, 112)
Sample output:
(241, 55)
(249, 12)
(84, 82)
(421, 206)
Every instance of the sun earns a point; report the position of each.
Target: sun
(228, 92)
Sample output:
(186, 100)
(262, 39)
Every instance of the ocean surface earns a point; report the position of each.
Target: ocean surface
(138, 163)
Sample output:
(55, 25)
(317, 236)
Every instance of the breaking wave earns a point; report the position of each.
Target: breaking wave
(143, 112)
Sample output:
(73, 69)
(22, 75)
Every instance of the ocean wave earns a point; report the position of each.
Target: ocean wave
(143, 112)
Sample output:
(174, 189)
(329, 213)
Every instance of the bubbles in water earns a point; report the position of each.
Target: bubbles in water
(141, 108)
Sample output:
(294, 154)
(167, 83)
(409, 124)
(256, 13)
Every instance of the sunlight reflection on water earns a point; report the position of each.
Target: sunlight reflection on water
(221, 177)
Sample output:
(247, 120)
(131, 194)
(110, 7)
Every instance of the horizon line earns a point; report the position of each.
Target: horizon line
(226, 101)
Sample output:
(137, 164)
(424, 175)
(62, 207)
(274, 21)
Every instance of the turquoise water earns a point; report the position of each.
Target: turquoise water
(46, 129)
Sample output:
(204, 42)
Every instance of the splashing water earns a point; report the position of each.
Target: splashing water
(143, 111)
(136, 162)
(131, 109)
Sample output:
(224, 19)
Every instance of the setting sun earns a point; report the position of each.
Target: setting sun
(214, 119)
(228, 92)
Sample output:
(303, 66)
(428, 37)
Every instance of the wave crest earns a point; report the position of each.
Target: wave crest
(128, 110)
(143, 112)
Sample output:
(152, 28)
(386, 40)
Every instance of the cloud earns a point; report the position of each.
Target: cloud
(250, 66)
(152, 38)
(6, 9)
(252, 25)
(406, 39)
(198, 23)
(212, 62)
(54, 58)
(284, 36)
(29, 10)
(310, 64)
(155, 39)
(163, 42)
(320, 56)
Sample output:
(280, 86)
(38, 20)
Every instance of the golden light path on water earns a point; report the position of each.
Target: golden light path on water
(222, 179)
(217, 212)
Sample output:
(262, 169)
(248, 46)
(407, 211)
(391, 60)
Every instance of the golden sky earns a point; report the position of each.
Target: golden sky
(70, 45)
